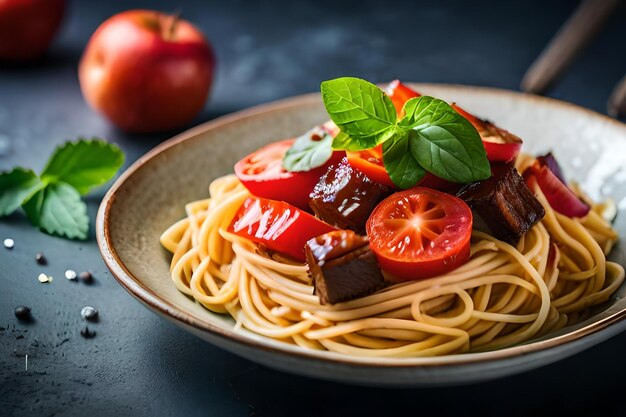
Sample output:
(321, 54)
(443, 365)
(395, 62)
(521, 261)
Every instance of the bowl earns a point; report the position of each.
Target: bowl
(151, 194)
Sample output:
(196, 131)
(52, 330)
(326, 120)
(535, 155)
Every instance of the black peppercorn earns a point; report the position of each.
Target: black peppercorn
(41, 260)
(89, 313)
(22, 313)
(86, 277)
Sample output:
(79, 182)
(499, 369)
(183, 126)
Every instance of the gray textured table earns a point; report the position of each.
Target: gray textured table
(141, 365)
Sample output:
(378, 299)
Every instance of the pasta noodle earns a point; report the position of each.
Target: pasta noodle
(503, 296)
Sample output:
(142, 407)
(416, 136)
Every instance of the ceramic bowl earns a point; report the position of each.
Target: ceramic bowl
(151, 194)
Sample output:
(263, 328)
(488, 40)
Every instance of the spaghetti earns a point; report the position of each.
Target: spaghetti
(503, 296)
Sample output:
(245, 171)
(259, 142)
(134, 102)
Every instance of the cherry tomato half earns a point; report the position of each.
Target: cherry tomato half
(278, 225)
(420, 233)
(263, 175)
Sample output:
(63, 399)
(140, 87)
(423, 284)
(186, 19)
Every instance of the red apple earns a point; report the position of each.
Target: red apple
(27, 27)
(147, 71)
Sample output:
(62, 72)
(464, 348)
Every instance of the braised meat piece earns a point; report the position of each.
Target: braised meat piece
(504, 202)
(342, 266)
(345, 197)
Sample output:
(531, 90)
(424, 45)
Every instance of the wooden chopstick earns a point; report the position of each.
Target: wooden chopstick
(617, 102)
(570, 40)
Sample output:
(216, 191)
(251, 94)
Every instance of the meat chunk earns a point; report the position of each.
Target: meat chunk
(504, 202)
(342, 267)
(345, 197)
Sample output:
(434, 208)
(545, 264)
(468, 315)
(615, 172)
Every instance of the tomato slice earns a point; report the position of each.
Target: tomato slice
(420, 233)
(400, 94)
(500, 145)
(560, 197)
(263, 175)
(278, 225)
(501, 152)
(370, 162)
(479, 124)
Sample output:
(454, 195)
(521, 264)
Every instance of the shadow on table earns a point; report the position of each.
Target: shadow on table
(590, 383)
(54, 59)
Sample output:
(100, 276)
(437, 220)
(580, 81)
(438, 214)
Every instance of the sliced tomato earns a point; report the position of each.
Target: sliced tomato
(263, 175)
(500, 145)
(475, 121)
(278, 225)
(560, 197)
(400, 94)
(501, 152)
(420, 233)
(370, 162)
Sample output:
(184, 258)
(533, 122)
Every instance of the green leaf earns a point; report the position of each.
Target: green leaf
(361, 110)
(83, 164)
(399, 163)
(58, 210)
(341, 141)
(309, 151)
(444, 142)
(419, 110)
(16, 187)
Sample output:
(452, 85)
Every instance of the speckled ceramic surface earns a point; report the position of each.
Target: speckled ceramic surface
(151, 194)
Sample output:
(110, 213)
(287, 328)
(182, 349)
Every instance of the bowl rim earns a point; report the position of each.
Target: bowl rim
(151, 299)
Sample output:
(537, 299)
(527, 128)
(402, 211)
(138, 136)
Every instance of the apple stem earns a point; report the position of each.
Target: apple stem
(175, 18)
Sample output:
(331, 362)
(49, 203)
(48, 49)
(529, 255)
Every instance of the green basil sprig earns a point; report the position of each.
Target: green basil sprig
(431, 136)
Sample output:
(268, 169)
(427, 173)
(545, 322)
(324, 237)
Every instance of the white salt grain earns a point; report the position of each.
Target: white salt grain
(43, 278)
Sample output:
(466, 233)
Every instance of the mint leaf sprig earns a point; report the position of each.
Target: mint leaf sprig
(431, 136)
(52, 200)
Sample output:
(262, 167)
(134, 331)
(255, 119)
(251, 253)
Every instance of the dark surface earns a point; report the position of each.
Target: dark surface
(141, 365)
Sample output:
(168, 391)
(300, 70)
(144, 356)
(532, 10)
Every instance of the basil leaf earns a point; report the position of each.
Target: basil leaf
(399, 163)
(309, 151)
(419, 110)
(342, 141)
(58, 210)
(445, 143)
(16, 187)
(83, 164)
(361, 110)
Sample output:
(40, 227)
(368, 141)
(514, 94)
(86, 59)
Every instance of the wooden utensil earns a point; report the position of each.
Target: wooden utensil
(573, 37)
